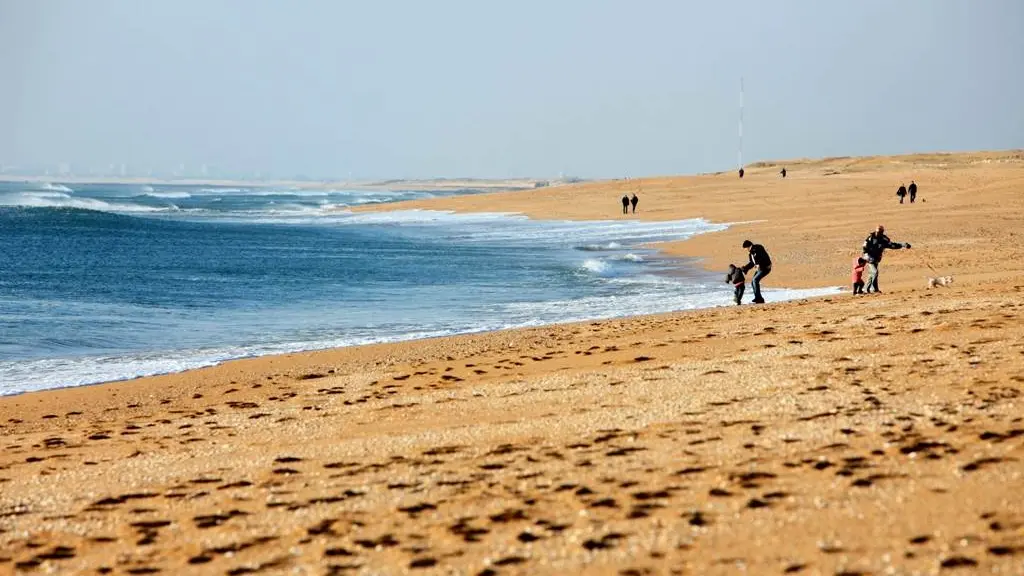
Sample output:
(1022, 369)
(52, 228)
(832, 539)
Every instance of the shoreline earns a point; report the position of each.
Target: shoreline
(840, 434)
(679, 263)
(424, 184)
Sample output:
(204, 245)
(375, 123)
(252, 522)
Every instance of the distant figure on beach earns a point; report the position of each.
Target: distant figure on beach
(741, 172)
(901, 192)
(634, 201)
(874, 246)
(758, 259)
(913, 191)
(737, 279)
(783, 172)
(625, 204)
(858, 275)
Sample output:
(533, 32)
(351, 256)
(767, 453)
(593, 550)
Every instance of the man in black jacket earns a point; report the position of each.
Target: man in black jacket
(912, 189)
(874, 246)
(902, 192)
(758, 259)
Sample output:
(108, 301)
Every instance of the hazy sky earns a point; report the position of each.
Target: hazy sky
(423, 88)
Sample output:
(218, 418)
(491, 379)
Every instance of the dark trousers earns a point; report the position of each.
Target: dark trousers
(756, 283)
(912, 197)
(625, 208)
(738, 295)
(634, 208)
(901, 199)
(858, 287)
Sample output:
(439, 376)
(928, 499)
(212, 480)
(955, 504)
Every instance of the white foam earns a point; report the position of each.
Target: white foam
(42, 374)
(595, 266)
(600, 247)
(63, 200)
(167, 193)
(631, 303)
(51, 187)
(629, 257)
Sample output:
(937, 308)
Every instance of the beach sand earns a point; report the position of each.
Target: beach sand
(838, 435)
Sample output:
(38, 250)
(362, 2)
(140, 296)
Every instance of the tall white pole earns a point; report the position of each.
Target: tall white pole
(741, 123)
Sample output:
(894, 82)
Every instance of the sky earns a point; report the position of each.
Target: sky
(537, 88)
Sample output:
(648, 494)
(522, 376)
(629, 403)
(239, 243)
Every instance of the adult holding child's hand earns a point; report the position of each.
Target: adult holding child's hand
(758, 259)
(874, 246)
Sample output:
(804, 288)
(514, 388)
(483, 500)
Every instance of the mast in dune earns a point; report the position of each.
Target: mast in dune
(740, 154)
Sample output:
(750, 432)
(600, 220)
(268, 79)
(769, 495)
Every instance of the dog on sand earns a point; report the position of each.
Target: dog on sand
(943, 281)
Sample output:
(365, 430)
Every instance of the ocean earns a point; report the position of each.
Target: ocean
(111, 282)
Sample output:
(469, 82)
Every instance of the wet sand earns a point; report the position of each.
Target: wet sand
(838, 435)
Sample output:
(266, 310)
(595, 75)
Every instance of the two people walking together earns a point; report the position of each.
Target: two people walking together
(904, 191)
(626, 201)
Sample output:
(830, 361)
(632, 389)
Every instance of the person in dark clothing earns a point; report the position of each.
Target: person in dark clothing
(737, 279)
(874, 246)
(741, 172)
(758, 258)
(913, 191)
(901, 192)
(625, 204)
(634, 201)
(783, 172)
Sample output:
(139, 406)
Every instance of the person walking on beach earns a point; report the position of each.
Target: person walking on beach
(738, 280)
(625, 204)
(874, 246)
(901, 192)
(858, 275)
(634, 201)
(758, 259)
(913, 191)
(741, 172)
(783, 172)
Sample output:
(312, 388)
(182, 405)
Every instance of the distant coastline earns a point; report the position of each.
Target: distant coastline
(495, 185)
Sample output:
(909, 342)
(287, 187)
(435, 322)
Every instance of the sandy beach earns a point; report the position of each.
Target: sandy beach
(840, 435)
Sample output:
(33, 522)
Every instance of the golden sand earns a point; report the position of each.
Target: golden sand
(839, 435)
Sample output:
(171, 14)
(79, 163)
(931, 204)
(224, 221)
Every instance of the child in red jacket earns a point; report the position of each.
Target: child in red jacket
(858, 275)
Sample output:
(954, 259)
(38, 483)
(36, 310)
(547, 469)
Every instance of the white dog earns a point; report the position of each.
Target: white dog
(943, 281)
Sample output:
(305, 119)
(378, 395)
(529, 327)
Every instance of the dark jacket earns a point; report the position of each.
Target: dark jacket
(735, 276)
(913, 189)
(902, 191)
(875, 244)
(758, 257)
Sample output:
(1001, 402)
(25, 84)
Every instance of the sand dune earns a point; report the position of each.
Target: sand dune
(840, 435)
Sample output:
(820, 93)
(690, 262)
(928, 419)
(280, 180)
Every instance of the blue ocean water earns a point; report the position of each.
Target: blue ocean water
(108, 282)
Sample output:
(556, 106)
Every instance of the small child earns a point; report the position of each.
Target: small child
(737, 279)
(858, 275)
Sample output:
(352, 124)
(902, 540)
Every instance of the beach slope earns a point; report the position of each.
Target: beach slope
(856, 435)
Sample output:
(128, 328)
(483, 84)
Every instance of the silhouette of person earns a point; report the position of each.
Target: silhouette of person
(758, 259)
(783, 172)
(874, 246)
(625, 204)
(902, 192)
(741, 172)
(913, 191)
(634, 201)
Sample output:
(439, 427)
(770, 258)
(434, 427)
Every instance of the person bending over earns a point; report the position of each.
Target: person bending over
(758, 259)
